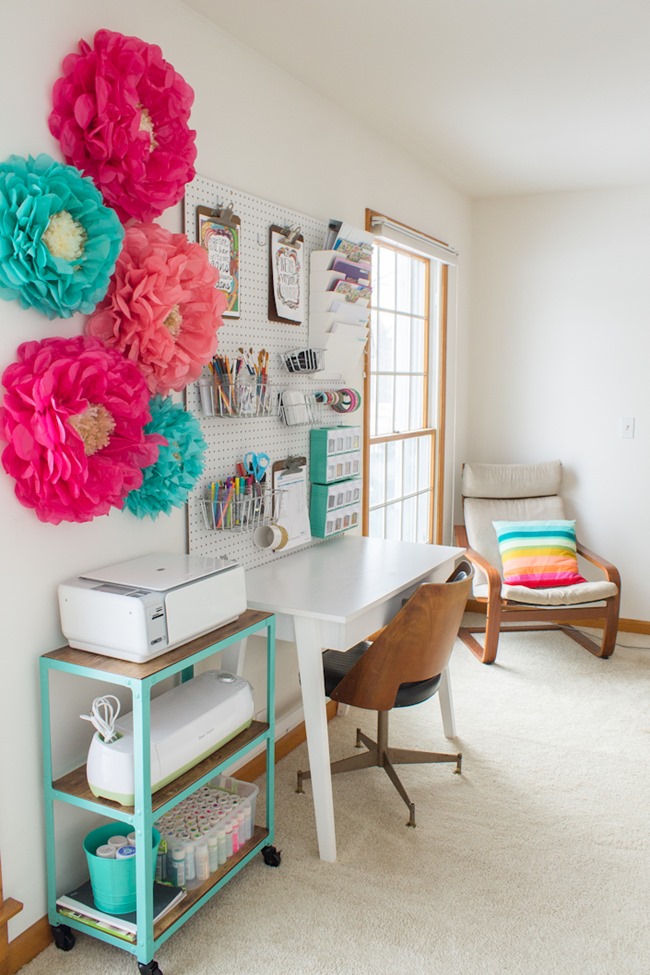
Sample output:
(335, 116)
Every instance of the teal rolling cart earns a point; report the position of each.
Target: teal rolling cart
(72, 788)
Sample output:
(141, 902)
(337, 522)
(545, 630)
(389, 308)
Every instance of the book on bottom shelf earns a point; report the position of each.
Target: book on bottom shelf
(80, 905)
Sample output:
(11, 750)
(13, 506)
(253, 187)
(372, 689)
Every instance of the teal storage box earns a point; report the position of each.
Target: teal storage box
(335, 454)
(334, 507)
(113, 881)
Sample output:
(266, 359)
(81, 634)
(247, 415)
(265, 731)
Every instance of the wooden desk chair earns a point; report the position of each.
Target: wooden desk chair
(402, 667)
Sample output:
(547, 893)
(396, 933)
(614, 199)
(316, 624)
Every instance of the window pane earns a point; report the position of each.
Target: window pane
(417, 418)
(373, 409)
(417, 346)
(424, 466)
(403, 302)
(386, 342)
(409, 519)
(393, 470)
(424, 530)
(410, 466)
(394, 521)
(377, 483)
(386, 278)
(402, 385)
(376, 523)
(418, 284)
(403, 344)
(384, 405)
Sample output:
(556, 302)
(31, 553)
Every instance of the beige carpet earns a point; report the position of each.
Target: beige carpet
(534, 861)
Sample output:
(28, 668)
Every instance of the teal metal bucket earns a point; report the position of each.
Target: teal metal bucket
(113, 881)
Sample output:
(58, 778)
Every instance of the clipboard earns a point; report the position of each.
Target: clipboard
(286, 275)
(290, 477)
(218, 231)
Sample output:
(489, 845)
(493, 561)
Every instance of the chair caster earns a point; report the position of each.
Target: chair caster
(272, 857)
(64, 937)
(411, 821)
(459, 764)
(150, 968)
(299, 788)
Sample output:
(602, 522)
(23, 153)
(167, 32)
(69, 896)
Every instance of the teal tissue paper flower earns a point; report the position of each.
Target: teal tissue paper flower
(58, 241)
(168, 482)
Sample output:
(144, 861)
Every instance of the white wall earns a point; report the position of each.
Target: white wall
(560, 345)
(258, 131)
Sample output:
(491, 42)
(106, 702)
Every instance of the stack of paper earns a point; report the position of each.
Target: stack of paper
(339, 295)
(80, 905)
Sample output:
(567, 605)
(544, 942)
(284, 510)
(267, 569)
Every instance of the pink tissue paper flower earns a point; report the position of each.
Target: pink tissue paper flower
(120, 113)
(74, 414)
(162, 309)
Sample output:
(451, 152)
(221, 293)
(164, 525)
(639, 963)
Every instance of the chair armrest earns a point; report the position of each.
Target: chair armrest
(491, 571)
(612, 573)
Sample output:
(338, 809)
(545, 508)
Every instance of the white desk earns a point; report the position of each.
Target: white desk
(331, 596)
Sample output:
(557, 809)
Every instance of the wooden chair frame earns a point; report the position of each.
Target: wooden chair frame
(499, 610)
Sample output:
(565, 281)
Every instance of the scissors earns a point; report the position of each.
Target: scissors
(256, 464)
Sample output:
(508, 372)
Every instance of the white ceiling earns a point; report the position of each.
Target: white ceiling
(497, 96)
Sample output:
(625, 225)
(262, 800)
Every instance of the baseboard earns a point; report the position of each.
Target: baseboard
(27, 945)
(36, 938)
(624, 625)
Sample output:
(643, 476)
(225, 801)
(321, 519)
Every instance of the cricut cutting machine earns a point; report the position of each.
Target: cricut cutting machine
(187, 724)
(139, 609)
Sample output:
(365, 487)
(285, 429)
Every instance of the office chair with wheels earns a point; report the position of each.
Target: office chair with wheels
(512, 494)
(400, 668)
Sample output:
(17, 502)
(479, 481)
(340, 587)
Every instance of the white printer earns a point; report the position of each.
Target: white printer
(139, 609)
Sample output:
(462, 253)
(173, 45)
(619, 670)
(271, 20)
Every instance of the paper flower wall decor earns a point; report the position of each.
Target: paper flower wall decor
(74, 416)
(58, 242)
(120, 113)
(162, 309)
(168, 482)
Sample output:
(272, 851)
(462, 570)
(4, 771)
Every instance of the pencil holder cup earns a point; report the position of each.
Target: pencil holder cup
(113, 881)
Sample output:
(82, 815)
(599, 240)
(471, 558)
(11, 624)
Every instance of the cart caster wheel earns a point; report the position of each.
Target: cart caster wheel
(272, 857)
(63, 937)
(151, 968)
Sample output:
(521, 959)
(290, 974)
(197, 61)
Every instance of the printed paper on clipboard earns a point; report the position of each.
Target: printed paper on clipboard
(290, 477)
(286, 276)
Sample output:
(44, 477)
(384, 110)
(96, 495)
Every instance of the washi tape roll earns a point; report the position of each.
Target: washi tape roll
(125, 853)
(106, 852)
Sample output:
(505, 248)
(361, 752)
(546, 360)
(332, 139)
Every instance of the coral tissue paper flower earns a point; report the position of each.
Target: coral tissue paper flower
(162, 309)
(58, 242)
(74, 416)
(120, 113)
(168, 482)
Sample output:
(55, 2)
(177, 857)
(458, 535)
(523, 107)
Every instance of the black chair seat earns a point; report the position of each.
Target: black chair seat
(336, 664)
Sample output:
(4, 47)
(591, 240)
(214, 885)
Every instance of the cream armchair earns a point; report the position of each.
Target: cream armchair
(516, 493)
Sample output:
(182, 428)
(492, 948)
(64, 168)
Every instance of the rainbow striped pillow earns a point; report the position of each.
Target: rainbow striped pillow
(538, 554)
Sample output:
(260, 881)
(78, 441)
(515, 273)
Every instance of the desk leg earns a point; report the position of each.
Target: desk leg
(447, 705)
(308, 644)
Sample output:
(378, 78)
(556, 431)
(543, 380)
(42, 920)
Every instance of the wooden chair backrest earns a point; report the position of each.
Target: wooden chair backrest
(416, 645)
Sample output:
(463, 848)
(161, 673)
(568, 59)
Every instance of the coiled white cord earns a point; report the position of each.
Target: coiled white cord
(103, 715)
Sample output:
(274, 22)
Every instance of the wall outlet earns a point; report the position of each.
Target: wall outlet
(627, 426)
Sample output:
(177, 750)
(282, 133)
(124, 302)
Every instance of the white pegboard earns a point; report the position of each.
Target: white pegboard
(228, 439)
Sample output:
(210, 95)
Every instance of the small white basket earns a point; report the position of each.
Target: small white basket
(304, 360)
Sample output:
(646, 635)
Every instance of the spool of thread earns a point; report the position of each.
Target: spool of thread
(118, 841)
(106, 851)
(124, 852)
